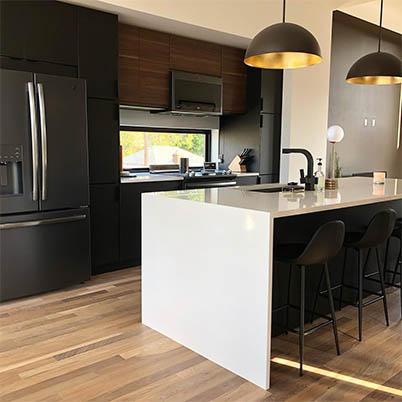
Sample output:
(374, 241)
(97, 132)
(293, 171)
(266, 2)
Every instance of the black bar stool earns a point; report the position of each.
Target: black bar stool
(397, 233)
(324, 245)
(377, 233)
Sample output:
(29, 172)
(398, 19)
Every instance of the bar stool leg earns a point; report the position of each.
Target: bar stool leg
(360, 295)
(343, 279)
(317, 294)
(398, 264)
(301, 326)
(386, 258)
(288, 296)
(331, 305)
(384, 300)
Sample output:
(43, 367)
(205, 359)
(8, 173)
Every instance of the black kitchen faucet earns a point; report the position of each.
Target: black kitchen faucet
(308, 180)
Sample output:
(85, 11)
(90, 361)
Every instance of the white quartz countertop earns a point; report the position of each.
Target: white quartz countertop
(146, 177)
(354, 191)
(149, 178)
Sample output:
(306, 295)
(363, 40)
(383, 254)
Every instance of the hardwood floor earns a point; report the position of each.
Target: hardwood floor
(87, 344)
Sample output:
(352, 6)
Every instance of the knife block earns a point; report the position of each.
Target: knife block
(235, 165)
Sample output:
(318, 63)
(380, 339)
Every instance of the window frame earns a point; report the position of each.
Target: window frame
(206, 132)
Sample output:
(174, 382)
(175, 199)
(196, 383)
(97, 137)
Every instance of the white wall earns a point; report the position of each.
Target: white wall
(306, 94)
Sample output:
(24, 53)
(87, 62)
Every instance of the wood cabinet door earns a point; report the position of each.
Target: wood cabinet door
(98, 42)
(233, 61)
(154, 68)
(234, 80)
(103, 141)
(144, 70)
(104, 227)
(195, 56)
(234, 93)
(129, 48)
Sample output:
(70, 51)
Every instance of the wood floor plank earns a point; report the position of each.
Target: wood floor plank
(87, 343)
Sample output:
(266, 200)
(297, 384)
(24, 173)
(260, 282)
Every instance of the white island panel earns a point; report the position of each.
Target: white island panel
(206, 281)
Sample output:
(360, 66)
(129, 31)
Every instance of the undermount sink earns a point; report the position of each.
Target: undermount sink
(275, 188)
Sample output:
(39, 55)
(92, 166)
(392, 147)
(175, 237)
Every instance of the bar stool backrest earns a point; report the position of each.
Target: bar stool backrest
(325, 244)
(379, 229)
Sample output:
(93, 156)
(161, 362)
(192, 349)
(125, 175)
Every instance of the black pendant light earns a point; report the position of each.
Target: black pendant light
(378, 68)
(284, 45)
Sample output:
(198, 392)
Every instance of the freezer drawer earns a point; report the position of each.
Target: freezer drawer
(42, 252)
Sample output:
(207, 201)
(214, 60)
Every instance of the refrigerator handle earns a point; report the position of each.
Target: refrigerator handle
(42, 116)
(34, 139)
(39, 222)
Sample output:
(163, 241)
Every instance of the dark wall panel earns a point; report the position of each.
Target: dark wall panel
(365, 147)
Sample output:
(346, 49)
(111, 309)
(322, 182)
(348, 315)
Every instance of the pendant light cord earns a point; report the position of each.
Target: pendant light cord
(284, 10)
(380, 33)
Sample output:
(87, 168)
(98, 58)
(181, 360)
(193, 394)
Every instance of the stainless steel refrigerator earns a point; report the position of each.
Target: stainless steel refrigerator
(44, 196)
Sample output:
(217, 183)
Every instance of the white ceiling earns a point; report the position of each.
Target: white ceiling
(234, 22)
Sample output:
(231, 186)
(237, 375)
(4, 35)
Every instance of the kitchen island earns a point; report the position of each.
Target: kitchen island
(207, 265)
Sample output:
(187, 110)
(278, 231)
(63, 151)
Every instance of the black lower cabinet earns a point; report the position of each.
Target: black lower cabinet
(130, 217)
(247, 180)
(103, 141)
(104, 201)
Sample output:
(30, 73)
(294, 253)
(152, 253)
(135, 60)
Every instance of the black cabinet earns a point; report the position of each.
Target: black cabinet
(98, 52)
(104, 202)
(247, 180)
(259, 128)
(270, 143)
(39, 30)
(271, 91)
(103, 141)
(130, 217)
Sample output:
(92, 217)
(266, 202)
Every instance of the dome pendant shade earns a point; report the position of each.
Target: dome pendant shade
(378, 68)
(282, 46)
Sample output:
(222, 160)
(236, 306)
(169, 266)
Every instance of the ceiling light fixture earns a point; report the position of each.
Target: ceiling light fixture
(282, 46)
(378, 68)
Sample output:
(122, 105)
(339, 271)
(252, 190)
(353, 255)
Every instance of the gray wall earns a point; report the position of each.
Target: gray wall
(364, 148)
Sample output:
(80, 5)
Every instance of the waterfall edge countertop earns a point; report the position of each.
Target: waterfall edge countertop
(353, 191)
(207, 263)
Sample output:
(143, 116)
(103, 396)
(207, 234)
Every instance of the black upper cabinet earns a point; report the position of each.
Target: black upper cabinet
(103, 139)
(271, 91)
(98, 52)
(259, 128)
(39, 30)
(270, 144)
(14, 16)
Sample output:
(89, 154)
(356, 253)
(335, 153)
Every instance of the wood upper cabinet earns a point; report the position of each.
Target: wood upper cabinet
(234, 80)
(129, 41)
(144, 57)
(195, 56)
(154, 68)
(129, 49)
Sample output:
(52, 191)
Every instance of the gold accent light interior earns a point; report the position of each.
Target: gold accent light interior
(375, 80)
(283, 60)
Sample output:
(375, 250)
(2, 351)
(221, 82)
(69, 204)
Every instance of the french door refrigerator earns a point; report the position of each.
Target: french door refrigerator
(44, 214)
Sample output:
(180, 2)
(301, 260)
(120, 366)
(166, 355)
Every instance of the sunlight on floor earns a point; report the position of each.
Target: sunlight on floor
(340, 377)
